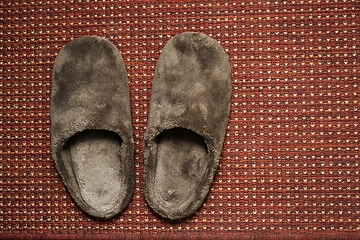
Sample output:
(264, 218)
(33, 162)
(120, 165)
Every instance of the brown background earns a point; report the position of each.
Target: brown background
(290, 162)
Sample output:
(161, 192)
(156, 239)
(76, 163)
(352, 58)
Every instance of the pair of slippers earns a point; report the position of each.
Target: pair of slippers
(91, 127)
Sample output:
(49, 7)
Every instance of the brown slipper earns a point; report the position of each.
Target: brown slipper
(91, 130)
(189, 111)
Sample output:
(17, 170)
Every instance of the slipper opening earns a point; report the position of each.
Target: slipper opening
(95, 156)
(180, 167)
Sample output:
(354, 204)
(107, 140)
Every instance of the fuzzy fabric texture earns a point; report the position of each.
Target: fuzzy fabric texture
(91, 129)
(189, 111)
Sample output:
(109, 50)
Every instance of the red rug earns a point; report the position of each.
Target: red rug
(290, 162)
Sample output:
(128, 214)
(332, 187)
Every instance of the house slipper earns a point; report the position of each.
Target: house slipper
(189, 111)
(91, 130)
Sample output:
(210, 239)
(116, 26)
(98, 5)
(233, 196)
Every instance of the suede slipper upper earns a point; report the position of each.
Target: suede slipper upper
(91, 130)
(189, 111)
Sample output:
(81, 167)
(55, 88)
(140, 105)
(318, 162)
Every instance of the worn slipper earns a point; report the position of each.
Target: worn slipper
(189, 111)
(91, 130)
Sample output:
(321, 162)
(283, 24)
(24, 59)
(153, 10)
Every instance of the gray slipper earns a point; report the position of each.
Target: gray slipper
(189, 111)
(91, 130)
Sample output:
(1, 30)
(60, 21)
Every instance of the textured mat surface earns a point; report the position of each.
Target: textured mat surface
(290, 162)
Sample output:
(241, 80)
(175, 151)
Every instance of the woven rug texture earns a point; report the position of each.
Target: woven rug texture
(290, 161)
